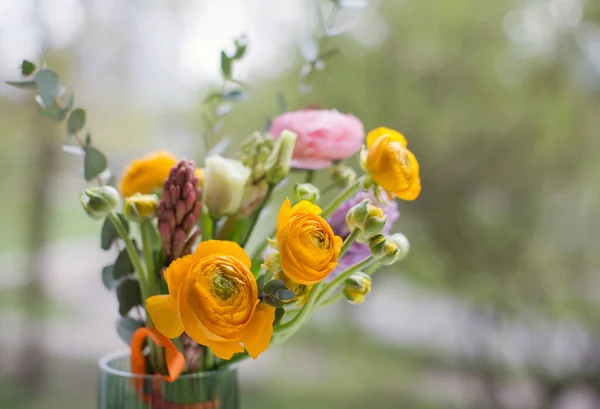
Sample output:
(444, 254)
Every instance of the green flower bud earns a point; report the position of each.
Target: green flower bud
(306, 191)
(343, 176)
(99, 201)
(357, 215)
(384, 249)
(402, 243)
(374, 224)
(139, 207)
(272, 263)
(254, 152)
(277, 165)
(356, 287)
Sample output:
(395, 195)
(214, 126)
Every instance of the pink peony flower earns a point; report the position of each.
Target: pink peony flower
(324, 136)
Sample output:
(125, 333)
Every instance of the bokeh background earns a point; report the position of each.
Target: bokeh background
(497, 305)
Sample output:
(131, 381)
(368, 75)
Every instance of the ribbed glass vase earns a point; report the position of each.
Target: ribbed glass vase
(118, 388)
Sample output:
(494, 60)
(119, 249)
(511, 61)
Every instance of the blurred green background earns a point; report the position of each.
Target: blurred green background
(496, 306)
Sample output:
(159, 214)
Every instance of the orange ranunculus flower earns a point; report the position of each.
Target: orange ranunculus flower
(213, 297)
(147, 174)
(308, 248)
(391, 165)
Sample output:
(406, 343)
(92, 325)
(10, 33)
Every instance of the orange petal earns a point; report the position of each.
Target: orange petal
(174, 359)
(165, 315)
(306, 206)
(192, 326)
(284, 214)
(212, 247)
(381, 131)
(176, 272)
(259, 330)
(225, 350)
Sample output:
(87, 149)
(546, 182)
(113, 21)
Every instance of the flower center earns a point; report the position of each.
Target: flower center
(319, 240)
(223, 286)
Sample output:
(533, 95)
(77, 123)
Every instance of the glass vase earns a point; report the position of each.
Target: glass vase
(118, 388)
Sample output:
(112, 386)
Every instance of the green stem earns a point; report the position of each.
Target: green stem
(133, 254)
(292, 326)
(331, 300)
(146, 244)
(348, 242)
(339, 280)
(310, 175)
(373, 268)
(207, 224)
(208, 359)
(256, 215)
(342, 197)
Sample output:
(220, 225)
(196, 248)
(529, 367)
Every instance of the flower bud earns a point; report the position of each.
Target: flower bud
(139, 207)
(374, 224)
(402, 243)
(356, 287)
(343, 176)
(277, 165)
(357, 215)
(306, 191)
(99, 201)
(224, 181)
(272, 263)
(254, 152)
(384, 249)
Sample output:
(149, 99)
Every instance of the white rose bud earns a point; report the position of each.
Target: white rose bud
(224, 181)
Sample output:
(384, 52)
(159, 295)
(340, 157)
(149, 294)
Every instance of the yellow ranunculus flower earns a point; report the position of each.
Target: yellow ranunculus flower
(391, 165)
(308, 248)
(213, 297)
(147, 174)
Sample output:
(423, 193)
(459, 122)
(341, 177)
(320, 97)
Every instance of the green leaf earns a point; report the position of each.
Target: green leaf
(123, 266)
(225, 66)
(48, 85)
(279, 312)
(272, 301)
(108, 278)
(129, 296)
(94, 163)
(260, 283)
(70, 102)
(273, 286)
(241, 45)
(30, 84)
(54, 114)
(27, 68)
(126, 327)
(109, 233)
(88, 139)
(285, 295)
(76, 121)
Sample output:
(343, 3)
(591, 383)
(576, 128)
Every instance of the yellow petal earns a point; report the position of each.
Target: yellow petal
(411, 193)
(176, 272)
(191, 324)
(225, 350)
(212, 247)
(306, 206)
(259, 330)
(164, 314)
(284, 214)
(379, 132)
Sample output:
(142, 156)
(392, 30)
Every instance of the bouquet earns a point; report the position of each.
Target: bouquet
(192, 296)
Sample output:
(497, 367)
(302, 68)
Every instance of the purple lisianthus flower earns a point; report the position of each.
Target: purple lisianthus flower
(358, 251)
